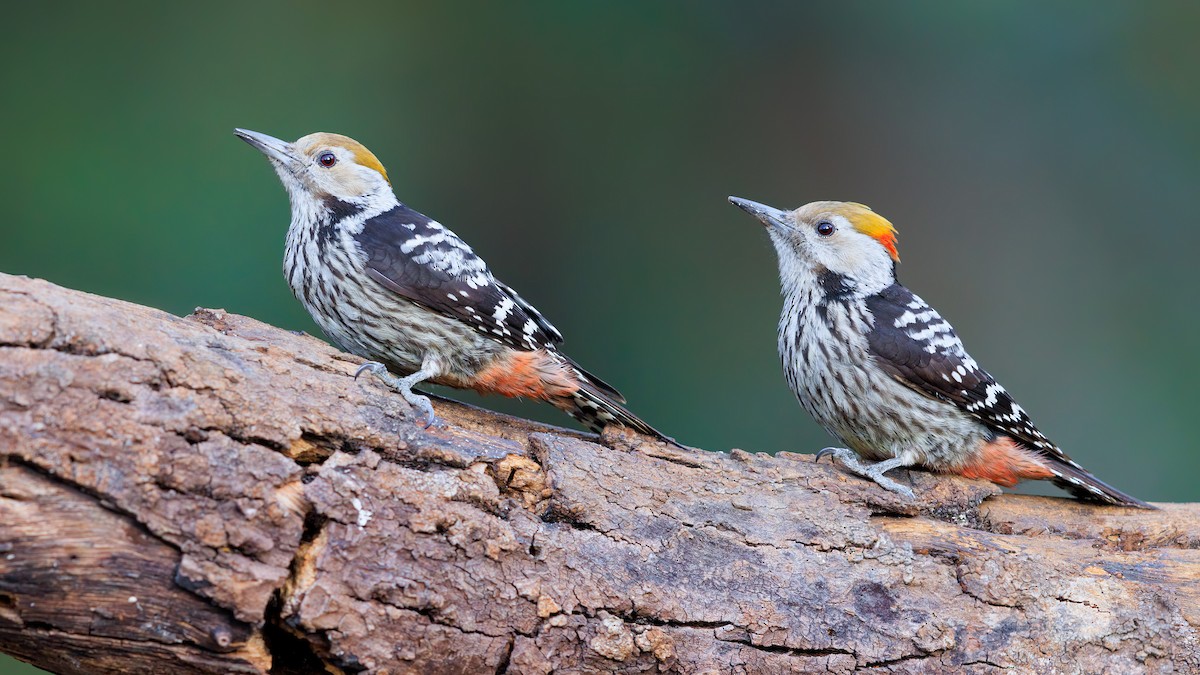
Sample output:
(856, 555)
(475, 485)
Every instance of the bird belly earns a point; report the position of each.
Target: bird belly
(368, 320)
(835, 379)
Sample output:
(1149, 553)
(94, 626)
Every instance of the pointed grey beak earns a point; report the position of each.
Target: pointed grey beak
(273, 148)
(770, 216)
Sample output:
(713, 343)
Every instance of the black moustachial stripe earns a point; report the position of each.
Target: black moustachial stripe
(835, 287)
(337, 211)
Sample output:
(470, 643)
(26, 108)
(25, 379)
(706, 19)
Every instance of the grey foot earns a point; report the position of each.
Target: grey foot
(851, 461)
(404, 386)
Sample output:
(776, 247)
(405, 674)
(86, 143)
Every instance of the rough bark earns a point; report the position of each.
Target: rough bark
(210, 495)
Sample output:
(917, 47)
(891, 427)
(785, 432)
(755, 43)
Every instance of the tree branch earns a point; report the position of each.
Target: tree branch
(213, 495)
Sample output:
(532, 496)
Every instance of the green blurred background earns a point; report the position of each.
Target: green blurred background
(1041, 163)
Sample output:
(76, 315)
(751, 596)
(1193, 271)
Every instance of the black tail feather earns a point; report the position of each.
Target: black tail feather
(607, 389)
(1082, 484)
(594, 408)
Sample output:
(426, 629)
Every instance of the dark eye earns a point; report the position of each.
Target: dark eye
(824, 228)
(327, 159)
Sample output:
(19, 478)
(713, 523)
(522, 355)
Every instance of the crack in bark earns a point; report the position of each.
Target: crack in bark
(506, 657)
(1091, 605)
(99, 497)
(293, 651)
(130, 519)
(904, 659)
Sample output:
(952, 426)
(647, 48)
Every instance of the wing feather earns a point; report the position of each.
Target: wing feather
(914, 344)
(419, 259)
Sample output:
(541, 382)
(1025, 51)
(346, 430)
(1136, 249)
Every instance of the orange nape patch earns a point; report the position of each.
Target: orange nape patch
(536, 375)
(873, 225)
(1006, 462)
(889, 242)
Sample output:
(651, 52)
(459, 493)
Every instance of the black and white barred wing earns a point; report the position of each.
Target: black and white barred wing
(914, 344)
(423, 261)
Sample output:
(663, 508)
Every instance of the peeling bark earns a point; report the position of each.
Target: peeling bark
(212, 495)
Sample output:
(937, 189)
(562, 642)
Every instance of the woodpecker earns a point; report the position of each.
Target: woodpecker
(399, 289)
(885, 373)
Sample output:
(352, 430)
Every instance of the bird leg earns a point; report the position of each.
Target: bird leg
(404, 385)
(874, 471)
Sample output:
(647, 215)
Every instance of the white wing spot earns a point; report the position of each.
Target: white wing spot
(503, 309)
(408, 246)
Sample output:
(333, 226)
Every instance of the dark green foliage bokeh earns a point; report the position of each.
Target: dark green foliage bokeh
(1041, 163)
(1041, 166)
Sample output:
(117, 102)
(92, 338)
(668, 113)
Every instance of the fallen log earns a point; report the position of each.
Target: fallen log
(213, 495)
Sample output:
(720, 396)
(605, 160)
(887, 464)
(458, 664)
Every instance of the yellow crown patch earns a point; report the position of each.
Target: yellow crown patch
(362, 156)
(873, 225)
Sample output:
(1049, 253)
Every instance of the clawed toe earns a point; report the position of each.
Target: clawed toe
(403, 386)
(874, 472)
(892, 486)
(376, 368)
(836, 453)
(423, 404)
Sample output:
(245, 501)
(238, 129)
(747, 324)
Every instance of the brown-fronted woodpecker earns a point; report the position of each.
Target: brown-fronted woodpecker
(883, 372)
(399, 289)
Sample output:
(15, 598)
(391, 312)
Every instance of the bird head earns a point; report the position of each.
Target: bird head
(846, 238)
(324, 166)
